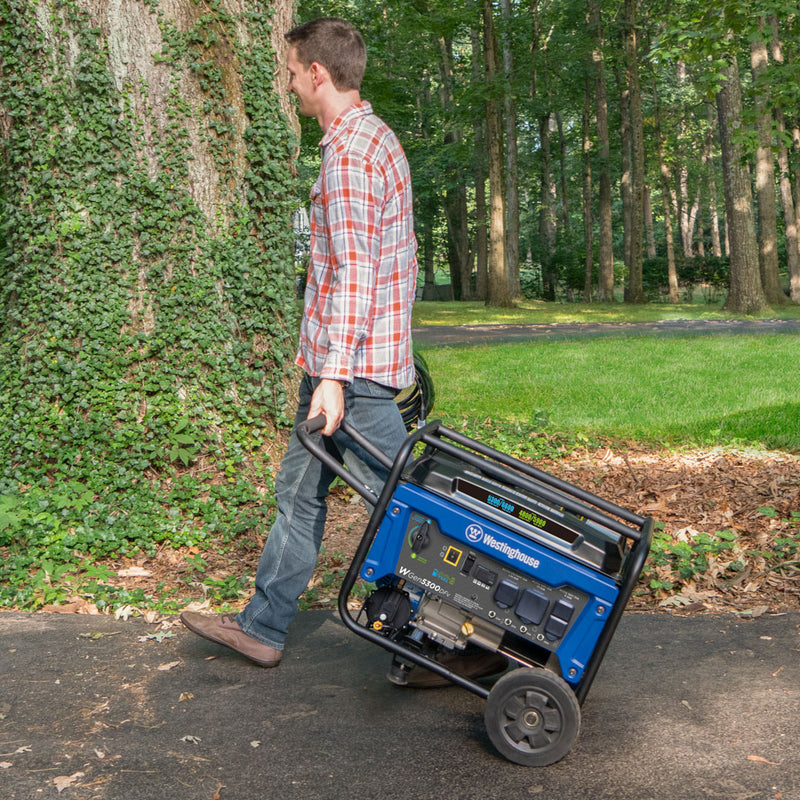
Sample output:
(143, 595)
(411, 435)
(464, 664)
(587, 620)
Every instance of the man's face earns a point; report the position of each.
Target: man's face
(301, 83)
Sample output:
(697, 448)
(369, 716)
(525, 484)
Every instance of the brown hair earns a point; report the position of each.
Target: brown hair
(335, 44)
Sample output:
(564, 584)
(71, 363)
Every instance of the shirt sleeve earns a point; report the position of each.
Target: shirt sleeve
(353, 199)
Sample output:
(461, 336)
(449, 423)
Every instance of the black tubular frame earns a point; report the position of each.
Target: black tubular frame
(502, 467)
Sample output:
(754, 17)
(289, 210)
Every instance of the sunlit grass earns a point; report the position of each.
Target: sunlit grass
(709, 390)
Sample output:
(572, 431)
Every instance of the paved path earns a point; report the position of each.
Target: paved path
(698, 708)
(460, 335)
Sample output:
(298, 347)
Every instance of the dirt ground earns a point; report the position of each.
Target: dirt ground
(750, 495)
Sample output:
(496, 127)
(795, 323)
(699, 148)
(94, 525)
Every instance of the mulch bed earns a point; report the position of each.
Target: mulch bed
(690, 492)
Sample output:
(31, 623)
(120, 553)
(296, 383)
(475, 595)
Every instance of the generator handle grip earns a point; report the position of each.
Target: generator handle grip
(316, 447)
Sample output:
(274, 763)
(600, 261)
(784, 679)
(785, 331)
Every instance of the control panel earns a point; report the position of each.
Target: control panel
(485, 587)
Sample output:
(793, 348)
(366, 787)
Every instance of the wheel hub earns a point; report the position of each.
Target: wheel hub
(532, 718)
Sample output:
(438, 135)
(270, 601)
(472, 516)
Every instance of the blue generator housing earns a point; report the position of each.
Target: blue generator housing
(470, 550)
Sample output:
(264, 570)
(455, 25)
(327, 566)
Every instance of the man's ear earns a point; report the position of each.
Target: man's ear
(319, 74)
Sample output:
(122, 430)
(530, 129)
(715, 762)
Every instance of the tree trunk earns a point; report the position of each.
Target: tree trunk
(146, 181)
(649, 227)
(455, 194)
(566, 231)
(547, 210)
(672, 271)
(512, 176)
(498, 293)
(745, 295)
(605, 289)
(765, 179)
(716, 244)
(787, 201)
(635, 287)
(428, 252)
(480, 160)
(683, 211)
(588, 222)
(626, 178)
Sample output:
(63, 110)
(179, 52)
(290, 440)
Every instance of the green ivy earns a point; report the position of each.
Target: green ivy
(144, 352)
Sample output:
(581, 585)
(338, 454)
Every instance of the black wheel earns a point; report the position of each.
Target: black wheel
(532, 717)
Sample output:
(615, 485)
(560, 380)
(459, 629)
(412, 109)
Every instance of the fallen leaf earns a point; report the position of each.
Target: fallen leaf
(191, 739)
(65, 781)
(134, 572)
(157, 637)
(98, 634)
(125, 612)
(185, 696)
(5, 764)
(74, 605)
(168, 666)
(686, 703)
(762, 760)
(150, 616)
(677, 600)
(255, 743)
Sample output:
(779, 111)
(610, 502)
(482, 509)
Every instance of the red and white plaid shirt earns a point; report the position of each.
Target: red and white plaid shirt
(363, 273)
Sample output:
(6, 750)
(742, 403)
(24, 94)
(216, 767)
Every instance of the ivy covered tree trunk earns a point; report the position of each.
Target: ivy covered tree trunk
(146, 270)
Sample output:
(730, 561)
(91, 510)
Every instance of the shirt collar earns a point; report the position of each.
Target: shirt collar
(360, 109)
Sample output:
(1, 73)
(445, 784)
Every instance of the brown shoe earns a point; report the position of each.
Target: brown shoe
(223, 629)
(474, 665)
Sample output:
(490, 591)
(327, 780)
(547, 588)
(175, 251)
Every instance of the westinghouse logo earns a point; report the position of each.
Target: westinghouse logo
(475, 534)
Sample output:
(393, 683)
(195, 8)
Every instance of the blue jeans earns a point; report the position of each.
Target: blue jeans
(290, 553)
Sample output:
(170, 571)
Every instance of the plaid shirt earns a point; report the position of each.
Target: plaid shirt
(363, 273)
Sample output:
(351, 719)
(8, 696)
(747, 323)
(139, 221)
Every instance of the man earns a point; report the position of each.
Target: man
(355, 336)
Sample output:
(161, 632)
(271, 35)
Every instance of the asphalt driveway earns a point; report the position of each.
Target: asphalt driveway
(684, 708)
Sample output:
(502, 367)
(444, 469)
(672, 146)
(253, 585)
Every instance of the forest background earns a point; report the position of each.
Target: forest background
(565, 148)
(560, 150)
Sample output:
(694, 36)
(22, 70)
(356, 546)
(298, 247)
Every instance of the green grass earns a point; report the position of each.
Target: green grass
(716, 390)
(536, 311)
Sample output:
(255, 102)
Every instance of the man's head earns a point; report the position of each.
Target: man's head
(334, 44)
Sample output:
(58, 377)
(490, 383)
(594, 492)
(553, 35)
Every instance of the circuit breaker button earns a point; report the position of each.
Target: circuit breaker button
(506, 593)
(563, 610)
(555, 628)
(558, 622)
(532, 607)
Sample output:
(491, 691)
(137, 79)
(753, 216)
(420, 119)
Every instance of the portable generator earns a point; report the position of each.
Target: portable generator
(469, 548)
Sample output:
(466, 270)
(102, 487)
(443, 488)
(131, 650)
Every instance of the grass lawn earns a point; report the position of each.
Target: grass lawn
(716, 390)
